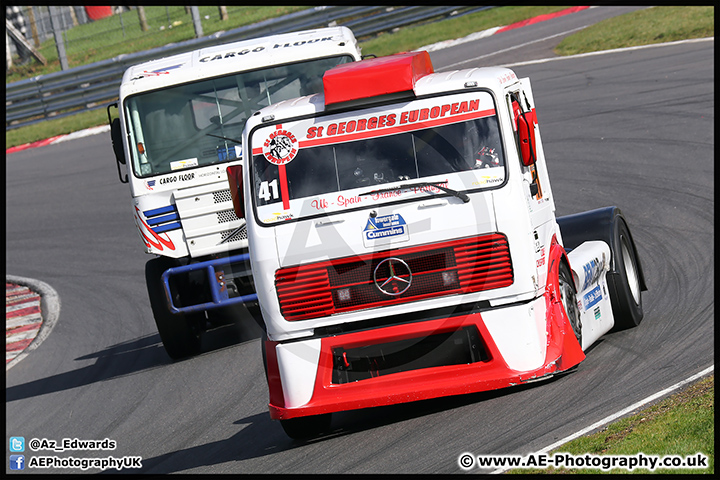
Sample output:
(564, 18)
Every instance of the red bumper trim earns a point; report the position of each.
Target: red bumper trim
(562, 353)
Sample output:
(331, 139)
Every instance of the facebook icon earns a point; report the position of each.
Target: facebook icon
(17, 462)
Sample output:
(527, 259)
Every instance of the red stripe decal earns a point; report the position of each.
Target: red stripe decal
(284, 187)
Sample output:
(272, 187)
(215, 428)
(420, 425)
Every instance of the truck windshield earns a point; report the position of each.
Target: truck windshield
(328, 164)
(201, 123)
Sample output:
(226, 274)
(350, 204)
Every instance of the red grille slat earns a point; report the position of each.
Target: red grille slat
(325, 288)
(304, 289)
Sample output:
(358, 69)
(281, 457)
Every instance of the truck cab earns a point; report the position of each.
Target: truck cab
(178, 125)
(404, 245)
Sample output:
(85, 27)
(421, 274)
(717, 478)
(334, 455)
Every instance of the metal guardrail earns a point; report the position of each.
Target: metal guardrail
(92, 86)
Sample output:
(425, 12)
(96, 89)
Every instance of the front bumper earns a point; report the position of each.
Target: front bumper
(460, 354)
(216, 282)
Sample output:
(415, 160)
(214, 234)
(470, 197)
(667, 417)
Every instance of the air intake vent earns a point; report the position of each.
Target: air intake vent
(226, 216)
(222, 196)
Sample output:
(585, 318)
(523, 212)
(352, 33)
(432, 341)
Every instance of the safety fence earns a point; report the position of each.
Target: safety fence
(92, 86)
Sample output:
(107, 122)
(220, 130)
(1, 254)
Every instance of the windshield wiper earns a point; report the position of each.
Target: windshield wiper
(239, 142)
(461, 195)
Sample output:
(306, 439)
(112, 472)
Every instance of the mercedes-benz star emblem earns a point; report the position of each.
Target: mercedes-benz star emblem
(397, 275)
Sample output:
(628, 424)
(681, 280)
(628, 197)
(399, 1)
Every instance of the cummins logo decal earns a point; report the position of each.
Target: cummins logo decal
(383, 230)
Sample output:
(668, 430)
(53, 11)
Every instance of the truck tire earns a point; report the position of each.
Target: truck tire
(307, 427)
(625, 280)
(568, 297)
(180, 333)
(624, 284)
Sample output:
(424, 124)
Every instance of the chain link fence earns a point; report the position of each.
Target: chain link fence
(104, 32)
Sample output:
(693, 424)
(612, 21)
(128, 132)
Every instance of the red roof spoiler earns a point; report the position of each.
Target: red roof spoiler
(375, 76)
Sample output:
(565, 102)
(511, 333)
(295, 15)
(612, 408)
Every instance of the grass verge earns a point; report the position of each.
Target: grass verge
(681, 425)
(642, 27)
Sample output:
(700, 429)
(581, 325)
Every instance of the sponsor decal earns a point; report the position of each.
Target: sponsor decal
(150, 184)
(180, 164)
(592, 271)
(302, 42)
(507, 77)
(397, 119)
(541, 261)
(156, 73)
(592, 297)
(280, 147)
(389, 228)
(229, 153)
(243, 52)
(276, 217)
(232, 54)
(487, 180)
(183, 177)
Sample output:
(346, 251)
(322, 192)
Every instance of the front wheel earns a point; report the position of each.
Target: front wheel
(624, 284)
(568, 297)
(307, 427)
(180, 333)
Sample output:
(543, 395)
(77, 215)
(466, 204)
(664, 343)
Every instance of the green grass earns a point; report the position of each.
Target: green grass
(108, 37)
(642, 27)
(683, 424)
(53, 127)
(657, 24)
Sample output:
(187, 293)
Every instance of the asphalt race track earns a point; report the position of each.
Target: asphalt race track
(632, 128)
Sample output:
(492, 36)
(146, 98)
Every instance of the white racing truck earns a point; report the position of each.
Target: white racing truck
(404, 244)
(179, 123)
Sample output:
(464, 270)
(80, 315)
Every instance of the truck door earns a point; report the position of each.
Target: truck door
(536, 184)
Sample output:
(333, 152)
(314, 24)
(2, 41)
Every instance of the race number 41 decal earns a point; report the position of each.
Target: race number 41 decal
(269, 190)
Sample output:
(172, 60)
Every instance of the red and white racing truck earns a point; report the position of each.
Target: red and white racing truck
(404, 244)
(180, 119)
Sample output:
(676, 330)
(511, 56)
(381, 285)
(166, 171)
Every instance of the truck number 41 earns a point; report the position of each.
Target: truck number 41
(266, 188)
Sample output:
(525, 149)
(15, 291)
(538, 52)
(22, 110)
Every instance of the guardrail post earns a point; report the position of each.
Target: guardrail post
(58, 37)
(195, 11)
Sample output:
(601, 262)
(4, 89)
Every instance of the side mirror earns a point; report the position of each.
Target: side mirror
(116, 137)
(526, 135)
(117, 141)
(235, 179)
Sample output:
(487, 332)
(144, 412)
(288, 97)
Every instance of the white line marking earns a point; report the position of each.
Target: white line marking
(614, 50)
(512, 48)
(625, 411)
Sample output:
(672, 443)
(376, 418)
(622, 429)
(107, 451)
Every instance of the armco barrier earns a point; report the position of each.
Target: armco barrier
(92, 86)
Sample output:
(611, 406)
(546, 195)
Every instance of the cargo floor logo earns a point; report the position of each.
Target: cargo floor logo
(384, 230)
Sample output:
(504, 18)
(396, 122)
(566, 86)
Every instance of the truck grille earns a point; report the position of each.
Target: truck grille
(457, 267)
